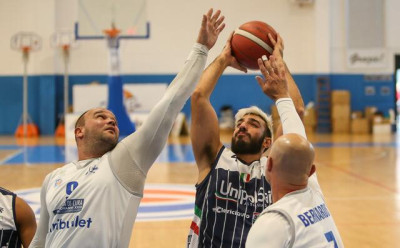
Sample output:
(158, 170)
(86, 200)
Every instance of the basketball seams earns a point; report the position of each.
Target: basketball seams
(255, 39)
(250, 42)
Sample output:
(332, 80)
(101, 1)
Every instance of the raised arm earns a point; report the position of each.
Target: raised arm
(275, 85)
(133, 156)
(204, 131)
(294, 92)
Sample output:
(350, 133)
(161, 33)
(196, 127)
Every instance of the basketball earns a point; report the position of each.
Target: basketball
(250, 41)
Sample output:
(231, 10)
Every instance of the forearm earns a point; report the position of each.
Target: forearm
(294, 93)
(210, 76)
(154, 132)
(290, 120)
(135, 154)
(206, 144)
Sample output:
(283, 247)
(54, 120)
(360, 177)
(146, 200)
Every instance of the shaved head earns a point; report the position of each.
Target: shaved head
(292, 157)
(81, 120)
(96, 132)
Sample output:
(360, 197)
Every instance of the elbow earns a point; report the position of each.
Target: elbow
(197, 95)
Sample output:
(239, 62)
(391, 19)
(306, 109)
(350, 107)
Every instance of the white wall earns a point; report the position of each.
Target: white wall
(174, 27)
(29, 16)
(314, 35)
(392, 30)
(338, 37)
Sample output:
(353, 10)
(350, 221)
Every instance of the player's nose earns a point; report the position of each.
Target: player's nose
(111, 121)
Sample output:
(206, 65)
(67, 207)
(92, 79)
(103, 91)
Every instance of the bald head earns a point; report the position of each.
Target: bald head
(292, 157)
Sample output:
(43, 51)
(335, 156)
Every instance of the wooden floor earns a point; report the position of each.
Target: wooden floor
(359, 175)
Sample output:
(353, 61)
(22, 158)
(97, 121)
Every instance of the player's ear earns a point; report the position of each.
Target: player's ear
(266, 144)
(78, 132)
(312, 170)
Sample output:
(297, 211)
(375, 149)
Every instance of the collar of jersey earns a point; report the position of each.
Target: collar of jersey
(83, 163)
(244, 162)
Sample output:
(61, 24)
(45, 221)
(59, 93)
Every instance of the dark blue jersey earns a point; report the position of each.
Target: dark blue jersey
(228, 202)
(8, 229)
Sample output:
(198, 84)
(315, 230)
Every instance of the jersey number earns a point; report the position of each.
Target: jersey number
(329, 236)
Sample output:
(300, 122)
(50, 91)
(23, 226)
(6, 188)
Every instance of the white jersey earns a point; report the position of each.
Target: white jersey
(299, 219)
(9, 236)
(69, 191)
(94, 203)
(233, 194)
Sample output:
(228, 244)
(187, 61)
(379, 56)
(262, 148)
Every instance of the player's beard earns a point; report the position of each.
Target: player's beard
(102, 142)
(108, 142)
(240, 146)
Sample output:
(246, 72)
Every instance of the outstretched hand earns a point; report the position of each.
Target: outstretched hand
(274, 83)
(211, 27)
(278, 45)
(228, 58)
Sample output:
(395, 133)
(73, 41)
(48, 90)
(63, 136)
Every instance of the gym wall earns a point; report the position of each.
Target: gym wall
(315, 39)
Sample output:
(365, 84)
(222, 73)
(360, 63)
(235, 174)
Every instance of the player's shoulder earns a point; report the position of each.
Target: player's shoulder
(273, 216)
(270, 228)
(4, 191)
(61, 171)
(225, 154)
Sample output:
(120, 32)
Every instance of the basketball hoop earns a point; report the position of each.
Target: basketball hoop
(112, 36)
(65, 41)
(26, 42)
(115, 90)
(113, 21)
(25, 49)
(112, 33)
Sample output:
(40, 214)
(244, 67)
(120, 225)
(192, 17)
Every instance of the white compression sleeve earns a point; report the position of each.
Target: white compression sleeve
(133, 156)
(39, 239)
(291, 122)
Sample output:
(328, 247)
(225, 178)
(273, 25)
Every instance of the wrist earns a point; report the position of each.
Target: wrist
(201, 47)
(222, 60)
(281, 96)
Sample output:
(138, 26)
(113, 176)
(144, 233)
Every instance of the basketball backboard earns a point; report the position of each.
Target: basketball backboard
(95, 16)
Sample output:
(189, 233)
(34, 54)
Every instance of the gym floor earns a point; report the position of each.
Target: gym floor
(359, 176)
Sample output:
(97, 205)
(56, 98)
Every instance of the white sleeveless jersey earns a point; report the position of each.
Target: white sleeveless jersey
(94, 203)
(302, 218)
(228, 202)
(9, 236)
(88, 207)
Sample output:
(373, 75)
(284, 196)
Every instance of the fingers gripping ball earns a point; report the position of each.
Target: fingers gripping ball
(250, 41)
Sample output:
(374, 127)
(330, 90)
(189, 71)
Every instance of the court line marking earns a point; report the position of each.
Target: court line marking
(381, 154)
(184, 148)
(373, 182)
(11, 156)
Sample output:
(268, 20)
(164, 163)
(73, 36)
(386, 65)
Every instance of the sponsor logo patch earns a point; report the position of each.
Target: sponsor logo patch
(161, 202)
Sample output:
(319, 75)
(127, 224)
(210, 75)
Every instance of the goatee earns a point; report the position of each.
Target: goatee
(242, 147)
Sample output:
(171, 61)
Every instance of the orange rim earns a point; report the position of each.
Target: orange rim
(65, 47)
(25, 49)
(112, 32)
